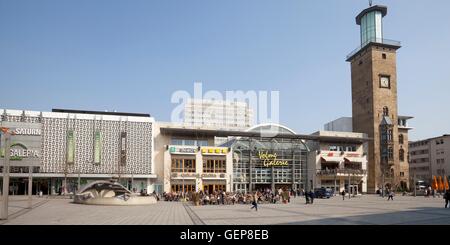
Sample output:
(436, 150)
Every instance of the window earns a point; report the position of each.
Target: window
(385, 111)
(176, 142)
(400, 139)
(214, 166)
(384, 56)
(402, 155)
(402, 174)
(342, 148)
(180, 165)
(189, 142)
(390, 153)
(389, 135)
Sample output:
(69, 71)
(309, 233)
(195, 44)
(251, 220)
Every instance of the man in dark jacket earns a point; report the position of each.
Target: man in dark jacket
(307, 197)
(447, 198)
(343, 194)
(311, 195)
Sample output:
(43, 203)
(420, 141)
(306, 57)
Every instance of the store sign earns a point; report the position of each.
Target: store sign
(25, 142)
(338, 154)
(97, 147)
(210, 175)
(27, 131)
(215, 150)
(70, 147)
(182, 150)
(352, 155)
(19, 151)
(271, 160)
(188, 175)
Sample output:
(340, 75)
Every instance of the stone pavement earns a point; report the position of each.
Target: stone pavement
(369, 209)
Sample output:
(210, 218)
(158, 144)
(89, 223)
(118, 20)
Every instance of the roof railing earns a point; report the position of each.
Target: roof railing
(374, 40)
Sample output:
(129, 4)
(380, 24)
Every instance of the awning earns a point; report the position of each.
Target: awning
(331, 159)
(354, 159)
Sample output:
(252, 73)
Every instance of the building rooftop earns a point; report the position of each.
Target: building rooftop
(101, 113)
(259, 134)
(381, 8)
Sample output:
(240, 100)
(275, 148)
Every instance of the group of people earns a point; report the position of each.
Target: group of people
(221, 197)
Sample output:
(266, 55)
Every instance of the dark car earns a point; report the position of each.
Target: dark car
(323, 193)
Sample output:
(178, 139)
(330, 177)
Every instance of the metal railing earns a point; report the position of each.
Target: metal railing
(374, 40)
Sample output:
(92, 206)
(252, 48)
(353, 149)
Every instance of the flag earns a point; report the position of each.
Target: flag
(445, 183)
(434, 185)
(441, 184)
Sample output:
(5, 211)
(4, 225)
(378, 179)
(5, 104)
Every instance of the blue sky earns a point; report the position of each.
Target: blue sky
(132, 55)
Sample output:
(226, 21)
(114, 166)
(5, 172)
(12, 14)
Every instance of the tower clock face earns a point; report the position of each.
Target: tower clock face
(384, 82)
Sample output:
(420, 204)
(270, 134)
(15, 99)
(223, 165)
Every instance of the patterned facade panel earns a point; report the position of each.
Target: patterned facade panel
(54, 145)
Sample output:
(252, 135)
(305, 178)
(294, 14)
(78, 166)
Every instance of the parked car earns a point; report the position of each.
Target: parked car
(323, 193)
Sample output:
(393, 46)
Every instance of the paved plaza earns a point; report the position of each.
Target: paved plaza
(369, 209)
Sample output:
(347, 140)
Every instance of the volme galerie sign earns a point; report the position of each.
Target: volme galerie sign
(270, 160)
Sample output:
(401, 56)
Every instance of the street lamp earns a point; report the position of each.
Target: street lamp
(4, 212)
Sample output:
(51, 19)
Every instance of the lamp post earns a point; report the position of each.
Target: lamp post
(349, 182)
(4, 213)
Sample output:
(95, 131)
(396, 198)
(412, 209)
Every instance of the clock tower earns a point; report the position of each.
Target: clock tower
(374, 103)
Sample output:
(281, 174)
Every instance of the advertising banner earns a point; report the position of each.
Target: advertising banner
(70, 147)
(123, 148)
(97, 147)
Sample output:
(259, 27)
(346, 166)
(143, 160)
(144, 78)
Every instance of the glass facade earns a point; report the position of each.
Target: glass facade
(261, 163)
(371, 27)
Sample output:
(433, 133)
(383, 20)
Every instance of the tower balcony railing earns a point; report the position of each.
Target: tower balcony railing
(341, 172)
(374, 40)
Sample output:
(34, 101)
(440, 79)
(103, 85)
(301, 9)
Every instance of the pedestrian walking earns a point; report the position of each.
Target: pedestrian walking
(343, 194)
(447, 198)
(255, 202)
(391, 196)
(311, 195)
(306, 197)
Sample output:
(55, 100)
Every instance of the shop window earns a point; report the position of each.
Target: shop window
(214, 166)
(180, 165)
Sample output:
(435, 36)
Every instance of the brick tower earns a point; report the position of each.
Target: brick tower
(374, 103)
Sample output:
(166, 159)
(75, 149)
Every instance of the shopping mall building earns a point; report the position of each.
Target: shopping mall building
(267, 156)
(68, 148)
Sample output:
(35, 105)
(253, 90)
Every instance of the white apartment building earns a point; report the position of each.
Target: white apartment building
(430, 157)
(218, 114)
